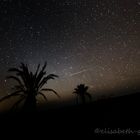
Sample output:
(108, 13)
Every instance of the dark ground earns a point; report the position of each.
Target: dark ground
(110, 114)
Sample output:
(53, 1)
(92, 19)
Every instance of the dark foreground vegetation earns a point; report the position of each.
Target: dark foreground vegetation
(81, 120)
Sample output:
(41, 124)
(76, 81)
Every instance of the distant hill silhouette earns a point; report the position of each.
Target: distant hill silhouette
(117, 112)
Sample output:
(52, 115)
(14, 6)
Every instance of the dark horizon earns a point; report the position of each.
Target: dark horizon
(67, 102)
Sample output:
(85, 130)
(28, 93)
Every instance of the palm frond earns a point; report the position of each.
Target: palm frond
(48, 89)
(36, 73)
(14, 70)
(17, 103)
(39, 77)
(74, 92)
(45, 79)
(88, 95)
(15, 78)
(25, 70)
(20, 73)
(43, 68)
(43, 96)
(18, 87)
(16, 93)
(86, 88)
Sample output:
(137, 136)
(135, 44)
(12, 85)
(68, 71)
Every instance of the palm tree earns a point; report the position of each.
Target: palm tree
(81, 93)
(29, 86)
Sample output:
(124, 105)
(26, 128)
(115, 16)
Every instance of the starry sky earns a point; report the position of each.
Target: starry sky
(96, 42)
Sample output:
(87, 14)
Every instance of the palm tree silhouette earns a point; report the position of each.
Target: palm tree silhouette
(29, 86)
(81, 93)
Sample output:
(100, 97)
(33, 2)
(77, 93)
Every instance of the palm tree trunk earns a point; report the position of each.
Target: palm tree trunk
(76, 99)
(30, 103)
(83, 100)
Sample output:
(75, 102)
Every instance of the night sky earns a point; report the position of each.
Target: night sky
(96, 42)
